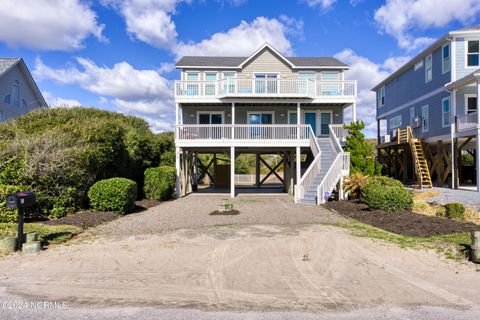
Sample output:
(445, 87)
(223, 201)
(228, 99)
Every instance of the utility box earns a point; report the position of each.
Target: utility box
(20, 200)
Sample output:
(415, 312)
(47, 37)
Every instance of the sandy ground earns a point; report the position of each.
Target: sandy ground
(289, 267)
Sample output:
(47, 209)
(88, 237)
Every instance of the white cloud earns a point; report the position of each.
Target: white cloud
(324, 4)
(48, 24)
(143, 93)
(149, 21)
(56, 102)
(400, 18)
(245, 38)
(368, 74)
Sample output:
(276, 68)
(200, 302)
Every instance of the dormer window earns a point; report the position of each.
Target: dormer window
(16, 94)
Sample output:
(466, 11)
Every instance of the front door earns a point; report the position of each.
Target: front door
(325, 121)
(311, 119)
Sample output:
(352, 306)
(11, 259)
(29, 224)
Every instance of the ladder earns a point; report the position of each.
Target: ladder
(421, 165)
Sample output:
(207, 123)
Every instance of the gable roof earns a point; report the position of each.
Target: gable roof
(239, 62)
(425, 52)
(6, 64)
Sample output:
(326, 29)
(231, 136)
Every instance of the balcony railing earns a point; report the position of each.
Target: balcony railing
(466, 122)
(242, 134)
(306, 88)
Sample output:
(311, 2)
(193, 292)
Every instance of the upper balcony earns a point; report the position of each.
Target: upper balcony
(217, 90)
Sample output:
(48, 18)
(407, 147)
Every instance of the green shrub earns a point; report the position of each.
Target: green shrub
(454, 210)
(386, 193)
(8, 215)
(159, 183)
(115, 194)
(60, 153)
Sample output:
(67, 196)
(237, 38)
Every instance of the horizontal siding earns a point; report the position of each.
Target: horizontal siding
(26, 93)
(460, 59)
(435, 116)
(280, 113)
(461, 97)
(267, 61)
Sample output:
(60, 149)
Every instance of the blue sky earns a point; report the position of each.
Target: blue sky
(119, 54)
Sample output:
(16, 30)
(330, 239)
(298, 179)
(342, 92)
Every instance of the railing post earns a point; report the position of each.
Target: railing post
(233, 122)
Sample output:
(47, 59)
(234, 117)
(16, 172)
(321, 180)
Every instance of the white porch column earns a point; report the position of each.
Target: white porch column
(232, 172)
(298, 162)
(354, 112)
(233, 120)
(177, 168)
(298, 121)
(477, 158)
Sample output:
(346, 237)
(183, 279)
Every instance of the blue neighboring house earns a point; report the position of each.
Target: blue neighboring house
(429, 109)
(19, 93)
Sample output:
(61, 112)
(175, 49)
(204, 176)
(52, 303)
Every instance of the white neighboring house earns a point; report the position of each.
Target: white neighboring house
(263, 104)
(19, 93)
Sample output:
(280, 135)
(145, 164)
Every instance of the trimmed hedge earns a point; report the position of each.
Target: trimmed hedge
(8, 215)
(159, 183)
(454, 210)
(387, 194)
(115, 194)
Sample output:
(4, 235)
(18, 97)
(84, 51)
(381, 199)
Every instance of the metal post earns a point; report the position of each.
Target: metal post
(20, 229)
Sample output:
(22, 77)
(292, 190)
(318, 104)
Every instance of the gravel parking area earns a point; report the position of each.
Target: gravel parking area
(194, 211)
(445, 195)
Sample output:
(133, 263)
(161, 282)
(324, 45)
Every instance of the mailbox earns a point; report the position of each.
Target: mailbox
(20, 199)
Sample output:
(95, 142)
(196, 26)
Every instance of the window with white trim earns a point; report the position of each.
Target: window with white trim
(445, 112)
(425, 119)
(210, 118)
(381, 96)
(210, 84)
(473, 53)
(471, 104)
(412, 115)
(418, 65)
(428, 68)
(446, 58)
(396, 122)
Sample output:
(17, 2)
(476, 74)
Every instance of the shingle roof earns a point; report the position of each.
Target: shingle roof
(231, 62)
(316, 62)
(6, 63)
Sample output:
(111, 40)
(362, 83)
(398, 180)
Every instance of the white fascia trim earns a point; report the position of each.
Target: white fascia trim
(206, 67)
(268, 46)
(320, 67)
(408, 104)
(464, 32)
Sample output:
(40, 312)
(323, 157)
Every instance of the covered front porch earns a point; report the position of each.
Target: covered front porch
(465, 129)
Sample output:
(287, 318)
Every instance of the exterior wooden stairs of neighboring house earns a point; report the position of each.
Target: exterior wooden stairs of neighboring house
(422, 171)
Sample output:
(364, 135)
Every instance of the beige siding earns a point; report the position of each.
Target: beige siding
(266, 61)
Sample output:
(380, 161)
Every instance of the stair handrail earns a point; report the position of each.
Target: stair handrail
(339, 168)
(312, 171)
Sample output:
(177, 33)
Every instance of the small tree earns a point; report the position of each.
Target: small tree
(362, 156)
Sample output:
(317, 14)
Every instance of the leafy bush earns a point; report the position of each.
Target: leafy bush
(8, 215)
(159, 183)
(61, 153)
(362, 155)
(115, 194)
(455, 210)
(353, 183)
(386, 193)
